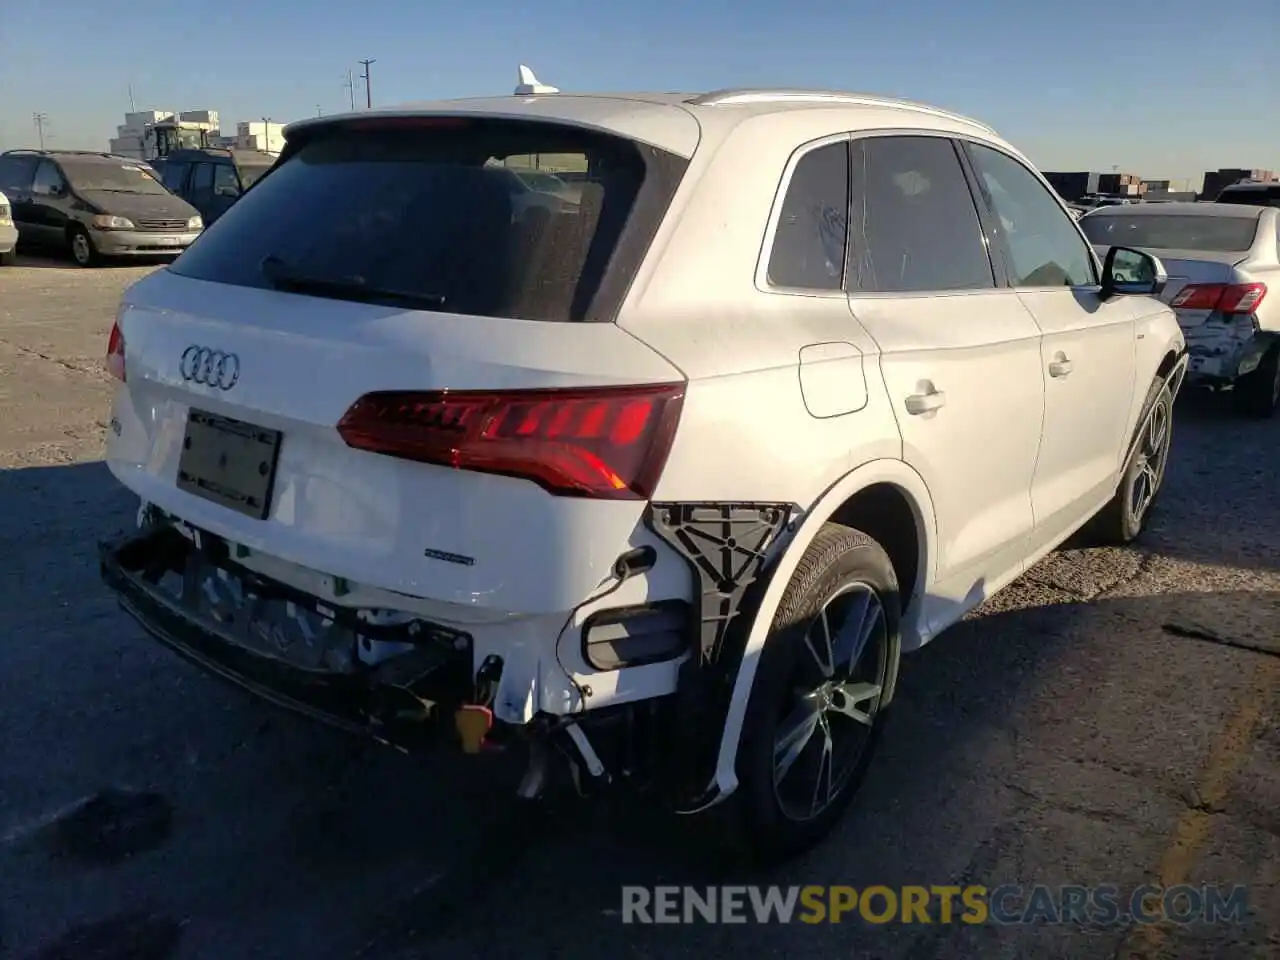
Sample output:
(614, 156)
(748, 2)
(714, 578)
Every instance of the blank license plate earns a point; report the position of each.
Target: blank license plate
(229, 462)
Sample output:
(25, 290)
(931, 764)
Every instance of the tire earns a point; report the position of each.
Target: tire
(9, 258)
(843, 573)
(1258, 394)
(1122, 520)
(83, 252)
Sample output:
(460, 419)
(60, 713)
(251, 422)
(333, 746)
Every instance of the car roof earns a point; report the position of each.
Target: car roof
(1250, 187)
(235, 154)
(1184, 208)
(676, 122)
(90, 156)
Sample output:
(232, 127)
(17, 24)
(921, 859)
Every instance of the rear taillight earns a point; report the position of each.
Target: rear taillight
(606, 442)
(115, 353)
(1222, 297)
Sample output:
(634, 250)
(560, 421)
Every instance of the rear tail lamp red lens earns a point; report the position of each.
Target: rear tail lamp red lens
(604, 442)
(1222, 297)
(115, 353)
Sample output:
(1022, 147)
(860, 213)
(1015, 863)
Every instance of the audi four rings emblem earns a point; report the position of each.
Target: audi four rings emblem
(212, 368)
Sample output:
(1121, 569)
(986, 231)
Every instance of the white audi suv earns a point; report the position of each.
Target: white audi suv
(657, 485)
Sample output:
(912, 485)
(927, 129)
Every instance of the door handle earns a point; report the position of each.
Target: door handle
(1060, 367)
(919, 403)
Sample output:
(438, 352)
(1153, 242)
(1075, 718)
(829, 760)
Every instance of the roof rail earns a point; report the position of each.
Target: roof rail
(749, 95)
(70, 153)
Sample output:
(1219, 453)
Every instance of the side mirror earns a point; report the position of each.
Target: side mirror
(1127, 272)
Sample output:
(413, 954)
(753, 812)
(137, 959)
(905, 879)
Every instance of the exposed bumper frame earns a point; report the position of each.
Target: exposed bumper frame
(396, 702)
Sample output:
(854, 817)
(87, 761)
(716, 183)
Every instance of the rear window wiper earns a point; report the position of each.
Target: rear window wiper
(282, 277)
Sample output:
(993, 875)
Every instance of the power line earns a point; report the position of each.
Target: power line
(40, 120)
(368, 85)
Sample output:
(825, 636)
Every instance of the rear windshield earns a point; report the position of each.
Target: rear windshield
(1159, 232)
(433, 214)
(111, 177)
(1254, 197)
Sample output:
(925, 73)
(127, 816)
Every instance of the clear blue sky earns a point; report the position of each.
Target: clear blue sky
(1179, 94)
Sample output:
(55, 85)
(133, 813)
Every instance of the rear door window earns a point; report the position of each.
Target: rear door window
(422, 213)
(47, 179)
(915, 225)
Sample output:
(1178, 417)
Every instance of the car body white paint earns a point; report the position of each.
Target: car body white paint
(791, 396)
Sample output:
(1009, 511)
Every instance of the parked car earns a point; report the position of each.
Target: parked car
(212, 179)
(94, 205)
(660, 488)
(1251, 193)
(8, 232)
(1222, 258)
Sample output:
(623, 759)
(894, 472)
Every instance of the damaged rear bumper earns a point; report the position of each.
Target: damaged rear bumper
(263, 644)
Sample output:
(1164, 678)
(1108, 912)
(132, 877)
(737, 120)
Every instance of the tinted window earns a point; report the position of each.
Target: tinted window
(1253, 197)
(915, 227)
(415, 215)
(809, 243)
(16, 173)
(47, 178)
(225, 181)
(1171, 232)
(202, 178)
(173, 175)
(1041, 239)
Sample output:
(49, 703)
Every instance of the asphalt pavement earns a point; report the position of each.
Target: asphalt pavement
(1111, 718)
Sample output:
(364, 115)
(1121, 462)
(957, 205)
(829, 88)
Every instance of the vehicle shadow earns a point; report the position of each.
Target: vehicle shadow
(51, 260)
(249, 829)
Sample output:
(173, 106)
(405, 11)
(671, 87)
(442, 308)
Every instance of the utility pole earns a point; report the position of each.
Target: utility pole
(40, 120)
(368, 86)
(350, 84)
(319, 113)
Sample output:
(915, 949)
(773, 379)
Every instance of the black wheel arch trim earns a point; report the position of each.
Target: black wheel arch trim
(731, 550)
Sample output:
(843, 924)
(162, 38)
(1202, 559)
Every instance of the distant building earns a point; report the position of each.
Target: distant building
(136, 137)
(262, 135)
(1073, 186)
(148, 134)
(1121, 184)
(1215, 180)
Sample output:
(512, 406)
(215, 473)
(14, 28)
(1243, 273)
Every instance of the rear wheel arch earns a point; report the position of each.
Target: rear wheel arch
(886, 484)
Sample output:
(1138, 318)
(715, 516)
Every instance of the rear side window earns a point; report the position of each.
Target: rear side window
(1172, 232)
(915, 226)
(16, 173)
(809, 242)
(427, 213)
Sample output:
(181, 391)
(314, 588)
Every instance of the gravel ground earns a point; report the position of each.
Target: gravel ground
(1111, 718)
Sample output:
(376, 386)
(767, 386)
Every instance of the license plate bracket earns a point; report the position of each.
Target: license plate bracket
(229, 462)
